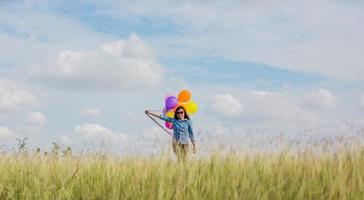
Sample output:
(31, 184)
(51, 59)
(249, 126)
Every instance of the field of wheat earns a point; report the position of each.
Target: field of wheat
(232, 176)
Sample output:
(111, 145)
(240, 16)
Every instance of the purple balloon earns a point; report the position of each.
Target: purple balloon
(164, 111)
(168, 95)
(171, 102)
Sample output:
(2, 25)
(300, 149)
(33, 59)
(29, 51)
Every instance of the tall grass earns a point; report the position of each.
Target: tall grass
(276, 176)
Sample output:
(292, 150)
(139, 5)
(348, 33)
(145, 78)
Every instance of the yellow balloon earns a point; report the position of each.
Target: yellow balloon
(191, 107)
(170, 114)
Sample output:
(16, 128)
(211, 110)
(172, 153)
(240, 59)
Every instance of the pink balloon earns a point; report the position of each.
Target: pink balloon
(168, 125)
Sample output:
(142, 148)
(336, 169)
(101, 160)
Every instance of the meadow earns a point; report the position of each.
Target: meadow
(232, 176)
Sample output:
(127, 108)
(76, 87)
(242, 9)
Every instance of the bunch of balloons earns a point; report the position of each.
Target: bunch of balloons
(172, 102)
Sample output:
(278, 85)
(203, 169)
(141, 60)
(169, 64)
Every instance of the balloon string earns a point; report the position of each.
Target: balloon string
(159, 124)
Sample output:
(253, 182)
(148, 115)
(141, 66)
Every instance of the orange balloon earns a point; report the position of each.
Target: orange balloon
(184, 96)
(182, 104)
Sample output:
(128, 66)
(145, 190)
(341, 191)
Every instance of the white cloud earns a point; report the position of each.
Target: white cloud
(6, 133)
(226, 104)
(36, 119)
(324, 37)
(31, 33)
(321, 98)
(98, 133)
(13, 98)
(361, 100)
(91, 112)
(125, 64)
(16, 103)
(144, 142)
(278, 110)
(64, 139)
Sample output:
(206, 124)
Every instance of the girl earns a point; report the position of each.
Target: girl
(182, 131)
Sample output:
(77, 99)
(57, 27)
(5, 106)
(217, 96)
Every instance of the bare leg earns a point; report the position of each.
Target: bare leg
(181, 151)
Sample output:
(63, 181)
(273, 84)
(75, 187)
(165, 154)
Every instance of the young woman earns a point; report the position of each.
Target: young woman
(182, 131)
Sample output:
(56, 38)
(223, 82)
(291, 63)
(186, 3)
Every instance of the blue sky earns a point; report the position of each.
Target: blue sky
(77, 70)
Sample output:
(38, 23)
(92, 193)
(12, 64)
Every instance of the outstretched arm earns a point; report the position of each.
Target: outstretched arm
(160, 116)
(155, 114)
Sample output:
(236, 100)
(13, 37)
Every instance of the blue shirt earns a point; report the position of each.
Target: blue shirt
(182, 129)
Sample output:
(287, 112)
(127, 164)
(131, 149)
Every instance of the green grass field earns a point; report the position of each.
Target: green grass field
(278, 176)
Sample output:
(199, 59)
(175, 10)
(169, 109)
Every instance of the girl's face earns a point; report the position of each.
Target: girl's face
(180, 114)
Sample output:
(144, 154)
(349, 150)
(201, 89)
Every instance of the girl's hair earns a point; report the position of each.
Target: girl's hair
(184, 110)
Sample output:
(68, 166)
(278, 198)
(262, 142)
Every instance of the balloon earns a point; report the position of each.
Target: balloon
(181, 104)
(168, 125)
(191, 107)
(170, 114)
(171, 102)
(168, 95)
(164, 110)
(184, 96)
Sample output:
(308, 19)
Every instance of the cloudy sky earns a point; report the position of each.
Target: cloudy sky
(73, 71)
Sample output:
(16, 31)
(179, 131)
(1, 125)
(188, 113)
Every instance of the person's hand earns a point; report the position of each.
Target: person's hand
(194, 148)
